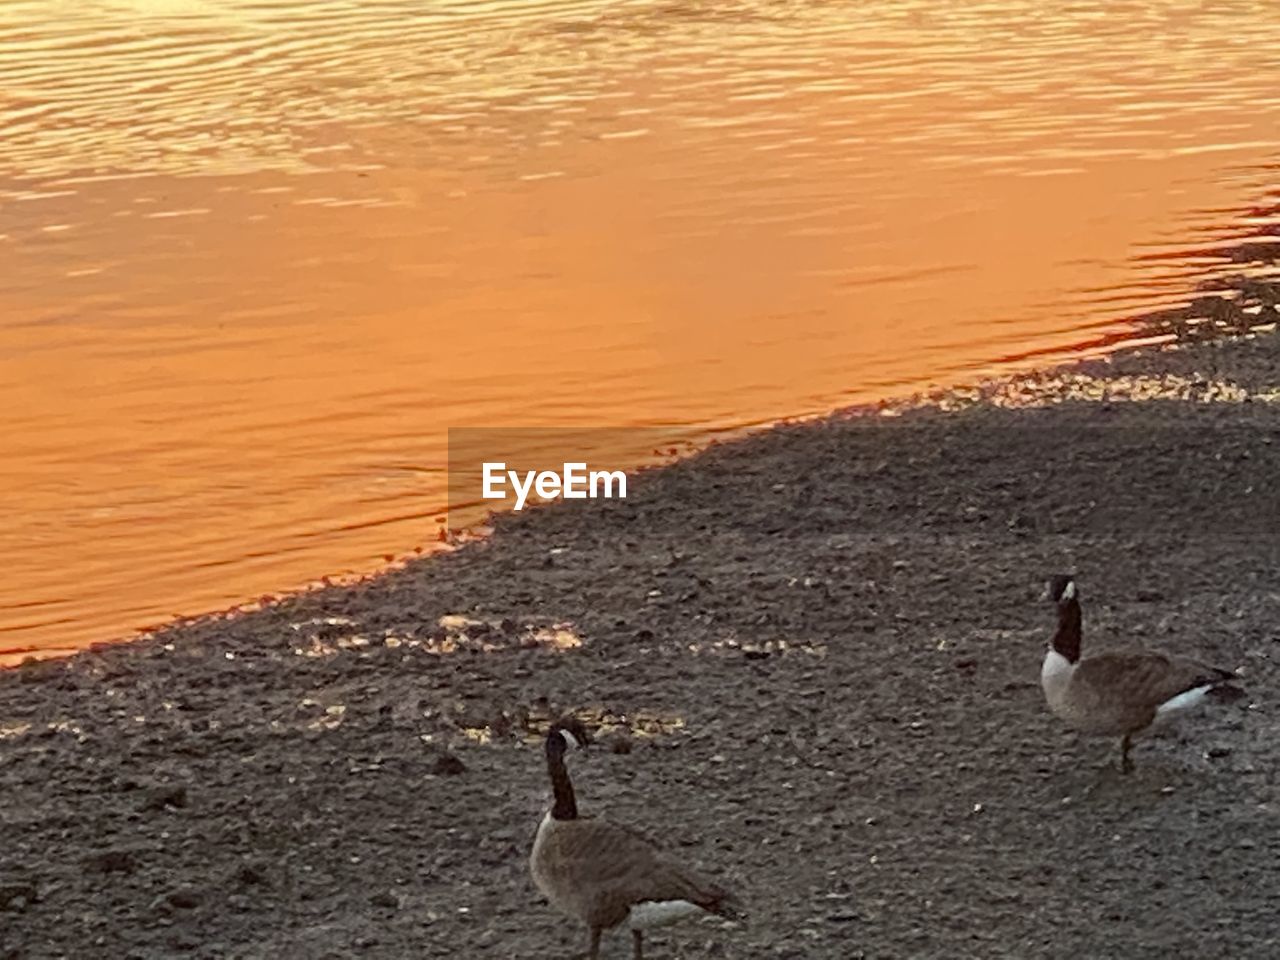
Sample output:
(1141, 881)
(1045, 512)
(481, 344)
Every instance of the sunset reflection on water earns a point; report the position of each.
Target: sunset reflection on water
(257, 258)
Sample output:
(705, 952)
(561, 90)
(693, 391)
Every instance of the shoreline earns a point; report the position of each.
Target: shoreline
(822, 641)
(1227, 306)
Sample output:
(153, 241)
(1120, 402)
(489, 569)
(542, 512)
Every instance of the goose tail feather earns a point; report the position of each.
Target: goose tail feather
(1225, 692)
(724, 904)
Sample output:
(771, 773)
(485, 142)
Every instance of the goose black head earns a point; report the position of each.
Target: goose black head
(1063, 592)
(567, 733)
(1062, 589)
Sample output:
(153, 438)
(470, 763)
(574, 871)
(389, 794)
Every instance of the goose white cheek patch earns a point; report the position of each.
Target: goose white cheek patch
(570, 740)
(1069, 591)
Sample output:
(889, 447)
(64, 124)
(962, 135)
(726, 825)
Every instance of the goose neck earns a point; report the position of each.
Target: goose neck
(566, 806)
(1066, 639)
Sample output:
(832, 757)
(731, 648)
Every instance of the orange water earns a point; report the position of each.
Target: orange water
(257, 257)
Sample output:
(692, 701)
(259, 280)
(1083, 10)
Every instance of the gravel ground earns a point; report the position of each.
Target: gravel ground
(813, 657)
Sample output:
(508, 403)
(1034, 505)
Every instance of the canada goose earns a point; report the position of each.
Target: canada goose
(1116, 693)
(604, 874)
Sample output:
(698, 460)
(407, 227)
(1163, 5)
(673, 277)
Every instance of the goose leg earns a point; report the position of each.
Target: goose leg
(637, 937)
(593, 951)
(1126, 765)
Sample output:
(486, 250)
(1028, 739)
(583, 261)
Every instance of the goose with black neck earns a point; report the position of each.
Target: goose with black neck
(1118, 693)
(605, 874)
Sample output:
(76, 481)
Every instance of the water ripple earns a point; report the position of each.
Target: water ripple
(277, 246)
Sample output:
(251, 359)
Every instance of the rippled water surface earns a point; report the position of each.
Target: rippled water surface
(256, 257)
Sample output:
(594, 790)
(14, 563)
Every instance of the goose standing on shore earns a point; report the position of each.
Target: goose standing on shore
(605, 874)
(1117, 693)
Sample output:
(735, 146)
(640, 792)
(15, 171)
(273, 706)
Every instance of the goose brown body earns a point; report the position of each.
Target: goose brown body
(598, 872)
(605, 874)
(1120, 693)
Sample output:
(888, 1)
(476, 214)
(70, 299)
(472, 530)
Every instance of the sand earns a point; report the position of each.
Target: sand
(821, 646)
